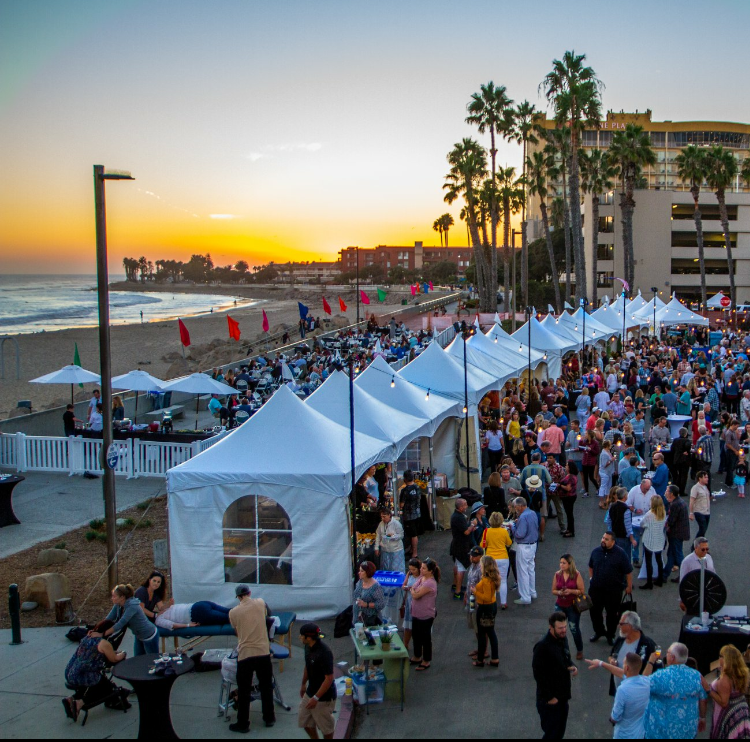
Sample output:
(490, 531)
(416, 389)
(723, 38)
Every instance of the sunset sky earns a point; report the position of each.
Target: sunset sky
(291, 129)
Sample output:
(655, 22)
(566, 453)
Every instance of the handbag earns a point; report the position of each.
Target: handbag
(583, 603)
(628, 604)
(344, 622)
(485, 616)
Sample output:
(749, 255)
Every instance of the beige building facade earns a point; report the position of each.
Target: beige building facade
(664, 234)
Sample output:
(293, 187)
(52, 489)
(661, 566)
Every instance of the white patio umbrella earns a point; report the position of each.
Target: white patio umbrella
(137, 381)
(198, 384)
(69, 375)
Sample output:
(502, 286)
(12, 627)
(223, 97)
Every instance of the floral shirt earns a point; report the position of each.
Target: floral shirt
(673, 707)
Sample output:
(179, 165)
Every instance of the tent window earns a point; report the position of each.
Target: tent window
(411, 457)
(257, 542)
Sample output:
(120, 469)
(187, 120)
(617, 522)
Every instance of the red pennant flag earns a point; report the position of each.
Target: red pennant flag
(365, 297)
(184, 334)
(326, 306)
(234, 328)
(432, 288)
(266, 325)
(342, 305)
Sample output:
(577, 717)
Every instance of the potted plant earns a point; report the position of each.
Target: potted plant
(386, 637)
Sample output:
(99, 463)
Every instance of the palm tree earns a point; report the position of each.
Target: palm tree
(575, 93)
(468, 170)
(537, 167)
(596, 178)
(523, 132)
(446, 222)
(745, 172)
(691, 168)
(629, 152)
(558, 149)
(437, 225)
(721, 170)
(488, 111)
(510, 197)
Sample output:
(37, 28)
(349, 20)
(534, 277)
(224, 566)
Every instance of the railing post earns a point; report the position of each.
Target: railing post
(195, 448)
(75, 455)
(130, 466)
(20, 452)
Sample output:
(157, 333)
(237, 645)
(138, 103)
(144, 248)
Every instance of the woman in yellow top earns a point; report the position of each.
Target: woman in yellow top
(497, 541)
(513, 431)
(485, 593)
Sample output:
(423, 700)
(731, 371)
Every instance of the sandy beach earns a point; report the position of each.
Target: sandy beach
(155, 346)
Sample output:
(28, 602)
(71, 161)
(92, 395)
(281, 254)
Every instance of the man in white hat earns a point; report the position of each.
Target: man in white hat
(526, 535)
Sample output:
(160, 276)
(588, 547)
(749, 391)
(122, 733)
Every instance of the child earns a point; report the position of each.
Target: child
(740, 475)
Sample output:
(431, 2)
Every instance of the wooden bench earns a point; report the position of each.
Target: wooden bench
(176, 410)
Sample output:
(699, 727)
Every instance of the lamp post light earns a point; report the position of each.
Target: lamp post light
(102, 282)
(514, 232)
(466, 335)
(584, 304)
(352, 497)
(356, 252)
(655, 290)
(529, 310)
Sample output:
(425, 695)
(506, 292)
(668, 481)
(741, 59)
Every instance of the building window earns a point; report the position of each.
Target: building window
(410, 458)
(589, 138)
(605, 252)
(605, 138)
(257, 542)
(709, 212)
(607, 199)
(606, 224)
(710, 239)
(688, 267)
(658, 138)
(605, 279)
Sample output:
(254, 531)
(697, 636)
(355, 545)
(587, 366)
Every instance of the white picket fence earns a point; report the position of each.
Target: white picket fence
(137, 458)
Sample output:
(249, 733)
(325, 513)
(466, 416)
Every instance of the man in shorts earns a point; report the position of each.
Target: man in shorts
(318, 691)
(461, 545)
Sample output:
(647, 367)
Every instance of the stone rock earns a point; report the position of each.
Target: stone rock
(29, 606)
(18, 412)
(46, 588)
(49, 557)
(121, 522)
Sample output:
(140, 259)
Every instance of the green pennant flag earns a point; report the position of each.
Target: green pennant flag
(381, 295)
(77, 362)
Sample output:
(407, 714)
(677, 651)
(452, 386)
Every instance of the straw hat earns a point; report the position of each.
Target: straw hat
(534, 483)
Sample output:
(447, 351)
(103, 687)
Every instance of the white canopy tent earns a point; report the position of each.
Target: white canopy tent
(543, 340)
(676, 313)
(646, 312)
(598, 331)
(520, 351)
(371, 416)
(499, 369)
(611, 315)
(270, 508)
(715, 301)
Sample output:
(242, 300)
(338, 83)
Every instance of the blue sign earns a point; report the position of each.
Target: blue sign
(113, 456)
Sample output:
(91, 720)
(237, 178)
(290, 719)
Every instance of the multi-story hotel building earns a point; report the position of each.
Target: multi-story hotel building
(664, 234)
(413, 258)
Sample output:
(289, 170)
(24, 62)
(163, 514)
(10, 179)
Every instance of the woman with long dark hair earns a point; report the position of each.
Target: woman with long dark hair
(152, 593)
(423, 612)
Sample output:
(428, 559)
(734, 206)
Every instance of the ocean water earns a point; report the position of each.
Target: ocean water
(44, 303)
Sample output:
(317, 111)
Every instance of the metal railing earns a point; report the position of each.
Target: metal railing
(75, 455)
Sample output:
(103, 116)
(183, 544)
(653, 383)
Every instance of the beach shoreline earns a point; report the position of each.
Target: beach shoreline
(155, 346)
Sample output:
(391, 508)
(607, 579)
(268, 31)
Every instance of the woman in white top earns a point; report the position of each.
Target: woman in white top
(97, 419)
(493, 440)
(606, 469)
(583, 405)
(612, 383)
(654, 541)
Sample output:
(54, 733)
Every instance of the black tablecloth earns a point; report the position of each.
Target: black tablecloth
(705, 647)
(7, 516)
(153, 693)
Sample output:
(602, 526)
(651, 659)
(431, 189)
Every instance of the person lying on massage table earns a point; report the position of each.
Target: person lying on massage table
(188, 615)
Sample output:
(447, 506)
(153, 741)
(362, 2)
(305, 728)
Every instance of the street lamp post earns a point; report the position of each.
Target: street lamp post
(102, 279)
(584, 304)
(356, 252)
(466, 335)
(352, 497)
(514, 232)
(655, 290)
(528, 370)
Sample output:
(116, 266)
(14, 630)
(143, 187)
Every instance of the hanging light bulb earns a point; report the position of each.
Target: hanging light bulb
(545, 355)
(576, 326)
(465, 409)
(427, 398)
(495, 339)
(393, 382)
(520, 348)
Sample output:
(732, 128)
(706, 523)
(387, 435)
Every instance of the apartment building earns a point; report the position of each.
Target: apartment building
(412, 257)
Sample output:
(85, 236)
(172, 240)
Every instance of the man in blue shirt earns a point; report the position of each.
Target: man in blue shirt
(610, 572)
(660, 480)
(526, 535)
(670, 400)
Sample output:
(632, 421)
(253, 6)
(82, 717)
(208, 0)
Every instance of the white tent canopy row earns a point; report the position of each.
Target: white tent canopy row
(612, 315)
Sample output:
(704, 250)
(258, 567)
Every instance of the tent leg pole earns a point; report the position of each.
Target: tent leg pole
(431, 487)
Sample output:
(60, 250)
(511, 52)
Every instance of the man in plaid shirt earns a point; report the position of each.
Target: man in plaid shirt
(704, 451)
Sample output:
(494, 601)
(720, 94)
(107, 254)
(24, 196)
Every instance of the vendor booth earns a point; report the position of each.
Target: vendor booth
(269, 506)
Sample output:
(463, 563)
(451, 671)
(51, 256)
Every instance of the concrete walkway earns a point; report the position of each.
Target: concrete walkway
(49, 505)
(32, 686)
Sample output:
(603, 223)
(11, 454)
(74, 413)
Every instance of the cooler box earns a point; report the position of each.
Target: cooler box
(372, 691)
(391, 582)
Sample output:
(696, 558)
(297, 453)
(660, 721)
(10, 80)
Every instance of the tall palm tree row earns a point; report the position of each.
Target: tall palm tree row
(437, 225)
(489, 112)
(537, 168)
(523, 133)
(597, 173)
(468, 168)
(446, 222)
(510, 197)
(557, 150)
(574, 91)
(721, 170)
(630, 152)
(691, 168)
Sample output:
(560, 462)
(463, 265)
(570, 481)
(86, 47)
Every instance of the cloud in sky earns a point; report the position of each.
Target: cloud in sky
(224, 216)
(269, 150)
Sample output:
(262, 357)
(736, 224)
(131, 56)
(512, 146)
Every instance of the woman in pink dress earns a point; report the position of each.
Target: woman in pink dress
(731, 717)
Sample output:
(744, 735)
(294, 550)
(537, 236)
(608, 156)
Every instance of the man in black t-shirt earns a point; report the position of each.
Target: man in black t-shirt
(318, 691)
(410, 500)
(70, 420)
